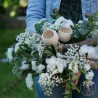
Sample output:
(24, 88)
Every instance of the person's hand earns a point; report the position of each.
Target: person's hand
(78, 76)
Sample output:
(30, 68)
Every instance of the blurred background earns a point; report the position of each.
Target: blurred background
(12, 23)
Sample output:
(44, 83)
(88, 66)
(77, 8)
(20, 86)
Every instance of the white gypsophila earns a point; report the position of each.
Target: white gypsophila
(75, 58)
(57, 80)
(24, 66)
(91, 52)
(29, 81)
(46, 26)
(22, 36)
(61, 65)
(40, 47)
(59, 55)
(74, 67)
(10, 54)
(34, 66)
(83, 49)
(46, 83)
(87, 67)
(27, 41)
(17, 47)
(41, 67)
(89, 75)
(17, 71)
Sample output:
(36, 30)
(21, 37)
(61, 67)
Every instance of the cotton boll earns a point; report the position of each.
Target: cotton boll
(55, 72)
(24, 66)
(91, 52)
(70, 67)
(83, 49)
(51, 61)
(9, 54)
(96, 53)
(89, 75)
(34, 67)
(80, 21)
(40, 68)
(29, 81)
(60, 68)
(59, 21)
(69, 23)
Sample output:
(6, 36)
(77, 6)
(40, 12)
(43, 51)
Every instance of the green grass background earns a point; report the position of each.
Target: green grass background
(7, 38)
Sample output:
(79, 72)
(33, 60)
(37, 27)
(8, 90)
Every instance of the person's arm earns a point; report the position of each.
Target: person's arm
(35, 11)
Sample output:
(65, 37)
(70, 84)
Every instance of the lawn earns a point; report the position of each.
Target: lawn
(7, 38)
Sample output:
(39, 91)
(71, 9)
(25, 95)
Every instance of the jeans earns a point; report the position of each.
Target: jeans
(95, 93)
(58, 91)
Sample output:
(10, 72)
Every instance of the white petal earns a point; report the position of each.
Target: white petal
(29, 81)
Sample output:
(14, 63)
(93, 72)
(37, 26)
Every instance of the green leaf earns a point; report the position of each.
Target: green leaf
(48, 52)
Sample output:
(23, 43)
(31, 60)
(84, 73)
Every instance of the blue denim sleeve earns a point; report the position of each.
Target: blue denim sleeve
(35, 11)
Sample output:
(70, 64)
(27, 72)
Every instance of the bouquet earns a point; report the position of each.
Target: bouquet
(59, 52)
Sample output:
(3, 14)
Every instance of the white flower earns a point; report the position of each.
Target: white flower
(69, 23)
(96, 53)
(80, 21)
(17, 46)
(27, 41)
(91, 52)
(60, 68)
(40, 68)
(59, 21)
(60, 65)
(89, 75)
(46, 83)
(50, 68)
(34, 66)
(54, 63)
(73, 67)
(88, 49)
(24, 66)
(83, 49)
(29, 81)
(87, 67)
(51, 61)
(9, 54)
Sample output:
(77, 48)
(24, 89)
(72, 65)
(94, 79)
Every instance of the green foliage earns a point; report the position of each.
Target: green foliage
(38, 26)
(85, 29)
(8, 80)
(55, 14)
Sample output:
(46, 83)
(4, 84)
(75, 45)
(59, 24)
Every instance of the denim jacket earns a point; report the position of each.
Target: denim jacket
(39, 9)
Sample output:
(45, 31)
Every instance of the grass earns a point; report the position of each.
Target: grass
(7, 38)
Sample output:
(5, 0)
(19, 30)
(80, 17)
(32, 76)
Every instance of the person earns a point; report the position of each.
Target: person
(70, 9)
(39, 9)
